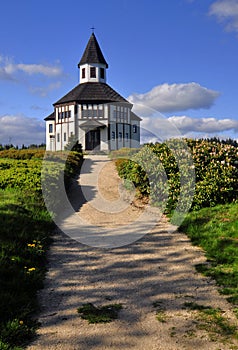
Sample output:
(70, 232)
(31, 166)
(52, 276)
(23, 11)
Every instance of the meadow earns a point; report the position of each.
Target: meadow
(25, 235)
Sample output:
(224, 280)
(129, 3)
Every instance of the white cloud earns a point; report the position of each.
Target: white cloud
(19, 129)
(9, 69)
(162, 128)
(43, 91)
(226, 11)
(208, 125)
(174, 97)
(49, 71)
(38, 108)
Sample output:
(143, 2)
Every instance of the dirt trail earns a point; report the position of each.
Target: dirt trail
(154, 274)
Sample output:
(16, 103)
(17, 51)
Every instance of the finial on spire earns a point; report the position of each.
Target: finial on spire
(92, 29)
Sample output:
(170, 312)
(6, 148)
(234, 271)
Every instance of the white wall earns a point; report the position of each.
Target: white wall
(104, 139)
(50, 142)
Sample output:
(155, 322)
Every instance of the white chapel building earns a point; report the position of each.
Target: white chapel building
(92, 112)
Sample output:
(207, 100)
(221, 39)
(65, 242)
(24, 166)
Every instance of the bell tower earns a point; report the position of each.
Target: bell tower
(92, 66)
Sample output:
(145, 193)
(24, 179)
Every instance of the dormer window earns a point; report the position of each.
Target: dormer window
(83, 73)
(92, 72)
(102, 73)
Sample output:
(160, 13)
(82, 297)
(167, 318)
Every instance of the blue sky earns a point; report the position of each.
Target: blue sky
(178, 57)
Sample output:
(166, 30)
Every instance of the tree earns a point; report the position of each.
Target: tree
(73, 144)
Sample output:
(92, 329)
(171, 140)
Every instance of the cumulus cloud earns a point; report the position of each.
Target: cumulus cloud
(174, 98)
(184, 126)
(208, 125)
(19, 129)
(9, 69)
(226, 11)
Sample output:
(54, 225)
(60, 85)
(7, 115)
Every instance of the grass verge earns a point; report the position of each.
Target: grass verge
(25, 232)
(216, 231)
(24, 239)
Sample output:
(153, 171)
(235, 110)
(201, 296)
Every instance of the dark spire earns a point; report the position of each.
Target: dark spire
(93, 53)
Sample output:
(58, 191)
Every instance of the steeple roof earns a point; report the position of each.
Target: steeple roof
(93, 53)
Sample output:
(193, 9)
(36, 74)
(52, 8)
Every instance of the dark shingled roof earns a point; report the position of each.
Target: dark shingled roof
(92, 123)
(93, 53)
(135, 116)
(51, 116)
(92, 93)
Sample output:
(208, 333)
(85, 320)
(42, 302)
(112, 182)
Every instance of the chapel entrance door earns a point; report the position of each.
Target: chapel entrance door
(92, 141)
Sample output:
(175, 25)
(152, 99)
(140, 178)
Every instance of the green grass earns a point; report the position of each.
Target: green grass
(160, 312)
(216, 231)
(24, 238)
(103, 314)
(212, 320)
(25, 231)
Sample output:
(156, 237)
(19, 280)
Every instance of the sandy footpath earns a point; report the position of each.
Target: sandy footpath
(156, 270)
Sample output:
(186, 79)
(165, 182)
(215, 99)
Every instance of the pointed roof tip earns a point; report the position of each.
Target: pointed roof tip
(93, 53)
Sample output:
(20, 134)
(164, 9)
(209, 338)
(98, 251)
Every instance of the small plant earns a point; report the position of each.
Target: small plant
(16, 332)
(211, 320)
(4, 346)
(101, 314)
(160, 312)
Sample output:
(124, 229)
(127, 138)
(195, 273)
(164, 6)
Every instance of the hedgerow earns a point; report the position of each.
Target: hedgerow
(165, 172)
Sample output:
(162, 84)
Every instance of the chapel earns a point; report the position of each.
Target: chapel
(93, 112)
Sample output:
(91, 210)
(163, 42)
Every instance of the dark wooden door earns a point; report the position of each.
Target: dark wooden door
(93, 140)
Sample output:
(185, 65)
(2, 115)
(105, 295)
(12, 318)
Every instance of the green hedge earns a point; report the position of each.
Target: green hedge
(166, 172)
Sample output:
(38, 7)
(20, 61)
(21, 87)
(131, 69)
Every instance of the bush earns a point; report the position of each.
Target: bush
(166, 171)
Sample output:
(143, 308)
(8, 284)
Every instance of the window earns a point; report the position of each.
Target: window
(100, 111)
(127, 136)
(90, 111)
(135, 129)
(50, 127)
(95, 110)
(92, 72)
(58, 137)
(83, 73)
(69, 114)
(113, 135)
(120, 136)
(102, 73)
(65, 137)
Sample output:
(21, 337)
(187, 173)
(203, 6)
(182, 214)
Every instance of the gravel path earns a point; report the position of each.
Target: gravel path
(154, 274)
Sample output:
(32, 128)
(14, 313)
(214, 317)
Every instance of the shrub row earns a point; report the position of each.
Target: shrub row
(168, 172)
